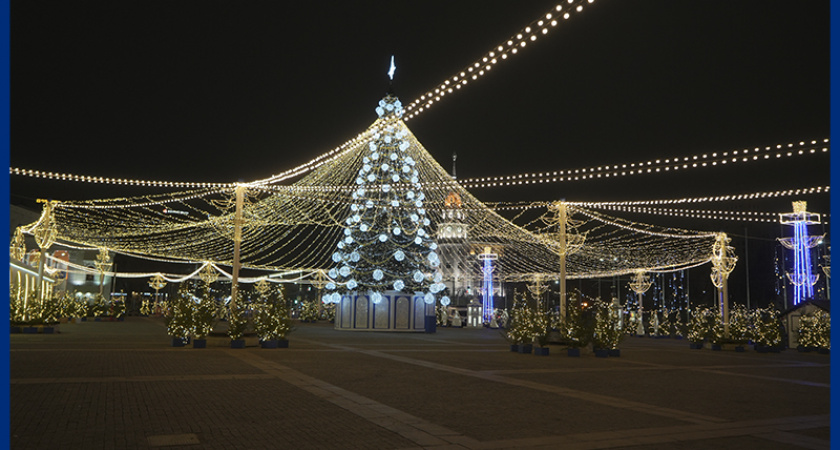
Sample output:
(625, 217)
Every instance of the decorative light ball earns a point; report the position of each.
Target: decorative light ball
(372, 147)
(445, 301)
(399, 285)
(374, 156)
(352, 284)
(410, 160)
(385, 167)
(404, 146)
(344, 271)
(418, 240)
(415, 218)
(340, 244)
(395, 178)
(326, 298)
(427, 222)
(418, 204)
(433, 246)
(366, 168)
(336, 297)
(396, 231)
(333, 273)
(388, 139)
(395, 203)
(348, 240)
(369, 204)
(429, 298)
(376, 298)
(383, 237)
(336, 257)
(360, 180)
(347, 232)
(370, 177)
(399, 255)
(406, 169)
(330, 285)
(386, 188)
(355, 256)
(421, 232)
(414, 179)
(438, 277)
(389, 107)
(409, 195)
(379, 111)
(393, 156)
(364, 227)
(354, 207)
(418, 276)
(378, 275)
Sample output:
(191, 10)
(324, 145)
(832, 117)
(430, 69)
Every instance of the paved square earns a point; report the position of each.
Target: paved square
(103, 385)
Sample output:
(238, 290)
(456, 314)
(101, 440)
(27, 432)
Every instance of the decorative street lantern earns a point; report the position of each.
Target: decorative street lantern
(723, 262)
(640, 285)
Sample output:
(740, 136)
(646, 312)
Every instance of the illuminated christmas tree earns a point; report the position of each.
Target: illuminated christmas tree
(386, 245)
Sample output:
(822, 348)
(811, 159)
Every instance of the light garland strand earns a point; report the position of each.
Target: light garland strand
(659, 165)
(481, 67)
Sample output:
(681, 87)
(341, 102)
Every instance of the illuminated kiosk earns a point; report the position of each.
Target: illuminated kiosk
(396, 311)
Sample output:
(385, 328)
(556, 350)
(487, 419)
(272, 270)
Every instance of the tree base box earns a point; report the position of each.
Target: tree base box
(601, 352)
(823, 351)
(514, 347)
(541, 351)
(30, 330)
(282, 343)
(271, 343)
(84, 319)
(178, 342)
(49, 330)
(525, 348)
(15, 330)
(80, 319)
(739, 348)
(761, 348)
(573, 351)
(695, 345)
(199, 343)
(717, 347)
(237, 343)
(614, 352)
(120, 319)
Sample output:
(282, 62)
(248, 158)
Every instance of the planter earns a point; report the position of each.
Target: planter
(84, 319)
(573, 351)
(739, 348)
(514, 347)
(15, 329)
(199, 343)
(179, 342)
(823, 351)
(30, 330)
(80, 319)
(271, 343)
(526, 348)
(49, 330)
(695, 345)
(614, 352)
(601, 352)
(760, 348)
(541, 351)
(120, 319)
(237, 343)
(97, 319)
(717, 347)
(282, 343)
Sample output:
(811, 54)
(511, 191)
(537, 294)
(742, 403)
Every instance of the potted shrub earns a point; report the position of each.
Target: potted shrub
(768, 335)
(237, 322)
(739, 327)
(541, 329)
(272, 319)
(179, 317)
(203, 312)
(574, 329)
(520, 330)
(697, 328)
(714, 329)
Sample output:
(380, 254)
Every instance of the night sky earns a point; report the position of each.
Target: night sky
(221, 91)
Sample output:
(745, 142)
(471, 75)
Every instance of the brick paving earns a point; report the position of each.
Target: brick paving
(104, 385)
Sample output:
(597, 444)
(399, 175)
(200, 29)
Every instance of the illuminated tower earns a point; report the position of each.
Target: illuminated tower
(487, 287)
(451, 238)
(802, 276)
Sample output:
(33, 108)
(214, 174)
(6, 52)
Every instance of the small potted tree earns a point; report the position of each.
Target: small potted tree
(519, 331)
(203, 317)
(272, 320)
(739, 327)
(541, 329)
(697, 328)
(714, 329)
(768, 336)
(237, 322)
(179, 318)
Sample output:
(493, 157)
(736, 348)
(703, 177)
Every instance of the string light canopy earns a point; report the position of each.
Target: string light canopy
(298, 227)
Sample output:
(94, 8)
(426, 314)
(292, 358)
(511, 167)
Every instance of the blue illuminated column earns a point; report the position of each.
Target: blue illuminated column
(802, 276)
(487, 288)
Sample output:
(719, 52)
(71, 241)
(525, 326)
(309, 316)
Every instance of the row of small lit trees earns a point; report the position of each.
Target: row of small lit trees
(603, 325)
(194, 312)
(598, 323)
(30, 309)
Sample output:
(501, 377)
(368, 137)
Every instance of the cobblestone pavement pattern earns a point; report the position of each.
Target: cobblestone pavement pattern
(108, 385)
